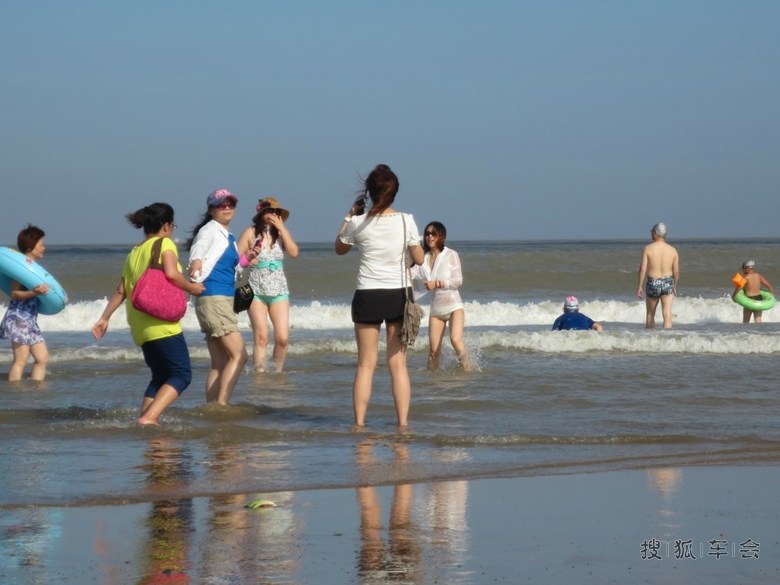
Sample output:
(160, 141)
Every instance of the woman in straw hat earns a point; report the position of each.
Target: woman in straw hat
(262, 247)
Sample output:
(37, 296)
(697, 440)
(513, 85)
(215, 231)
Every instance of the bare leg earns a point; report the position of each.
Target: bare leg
(21, 355)
(666, 308)
(40, 354)
(218, 360)
(258, 318)
(228, 358)
(280, 317)
(652, 305)
(152, 408)
(457, 324)
(435, 336)
(146, 403)
(367, 337)
(757, 318)
(399, 373)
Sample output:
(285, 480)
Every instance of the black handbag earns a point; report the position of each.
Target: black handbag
(244, 294)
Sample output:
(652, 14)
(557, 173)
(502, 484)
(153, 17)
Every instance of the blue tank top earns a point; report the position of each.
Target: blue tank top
(222, 280)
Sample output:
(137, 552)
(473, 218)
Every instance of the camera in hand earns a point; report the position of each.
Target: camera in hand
(360, 204)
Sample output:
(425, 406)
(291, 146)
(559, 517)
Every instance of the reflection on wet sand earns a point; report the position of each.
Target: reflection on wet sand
(667, 482)
(28, 535)
(248, 545)
(26, 539)
(405, 532)
(165, 550)
(399, 560)
(447, 504)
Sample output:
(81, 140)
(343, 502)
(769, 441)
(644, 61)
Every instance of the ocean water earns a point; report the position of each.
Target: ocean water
(541, 402)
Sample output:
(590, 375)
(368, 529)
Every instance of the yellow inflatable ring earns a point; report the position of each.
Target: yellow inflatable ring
(767, 301)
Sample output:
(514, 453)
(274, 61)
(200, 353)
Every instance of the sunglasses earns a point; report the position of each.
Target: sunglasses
(226, 205)
(274, 210)
(431, 234)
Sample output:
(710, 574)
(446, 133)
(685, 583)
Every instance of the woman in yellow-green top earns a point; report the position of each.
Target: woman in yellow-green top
(162, 342)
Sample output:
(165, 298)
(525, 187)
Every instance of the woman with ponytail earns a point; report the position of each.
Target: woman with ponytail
(388, 241)
(162, 342)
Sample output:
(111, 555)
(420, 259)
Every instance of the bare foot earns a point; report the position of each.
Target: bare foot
(144, 421)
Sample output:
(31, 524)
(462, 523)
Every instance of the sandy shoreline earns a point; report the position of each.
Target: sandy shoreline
(675, 525)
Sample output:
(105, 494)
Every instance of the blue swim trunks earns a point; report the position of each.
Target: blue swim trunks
(658, 287)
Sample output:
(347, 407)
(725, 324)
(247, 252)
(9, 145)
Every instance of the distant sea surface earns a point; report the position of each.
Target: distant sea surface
(541, 402)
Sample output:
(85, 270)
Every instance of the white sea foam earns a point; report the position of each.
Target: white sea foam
(482, 343)
(622, 341)
(318, 316)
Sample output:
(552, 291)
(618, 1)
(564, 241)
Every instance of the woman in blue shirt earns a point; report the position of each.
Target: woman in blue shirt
(213, 260)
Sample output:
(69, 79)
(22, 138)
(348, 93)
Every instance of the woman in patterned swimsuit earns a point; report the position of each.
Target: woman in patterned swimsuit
(20, 323)
(262, 247)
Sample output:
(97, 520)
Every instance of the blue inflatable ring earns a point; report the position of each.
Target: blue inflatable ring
(16, 266)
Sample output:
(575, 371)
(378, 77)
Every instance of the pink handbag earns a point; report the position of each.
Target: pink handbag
(157, 296)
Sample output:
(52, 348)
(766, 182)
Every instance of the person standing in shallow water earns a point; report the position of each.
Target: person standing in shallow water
(386, 240)
(162, 342)
(660, 264)
(213, 260)
(441, 275)
(262, 247)
(20, 323)
(753, 283)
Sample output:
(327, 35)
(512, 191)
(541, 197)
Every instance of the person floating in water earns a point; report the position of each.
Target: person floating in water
(573, 319)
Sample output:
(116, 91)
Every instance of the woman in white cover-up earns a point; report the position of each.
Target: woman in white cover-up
(441, 275)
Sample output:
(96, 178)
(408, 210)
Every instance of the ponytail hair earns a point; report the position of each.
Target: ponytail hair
(381, 186)
(204, 220)
(151, 217)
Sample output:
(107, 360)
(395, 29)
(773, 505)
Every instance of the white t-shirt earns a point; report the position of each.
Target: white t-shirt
(382, 245)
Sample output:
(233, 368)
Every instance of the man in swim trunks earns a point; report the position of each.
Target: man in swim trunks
(660, 265)
(753, 283)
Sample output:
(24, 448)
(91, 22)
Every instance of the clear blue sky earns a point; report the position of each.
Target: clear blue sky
(503, 119)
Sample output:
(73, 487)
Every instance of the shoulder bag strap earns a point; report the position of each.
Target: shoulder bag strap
(404, 267)
(154, 262)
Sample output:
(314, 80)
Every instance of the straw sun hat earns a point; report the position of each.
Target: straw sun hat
(272, 203)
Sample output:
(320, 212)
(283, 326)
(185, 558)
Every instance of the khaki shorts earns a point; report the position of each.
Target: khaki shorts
(215, 315)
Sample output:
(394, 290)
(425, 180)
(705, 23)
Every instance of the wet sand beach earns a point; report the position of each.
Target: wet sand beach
(665, 525)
